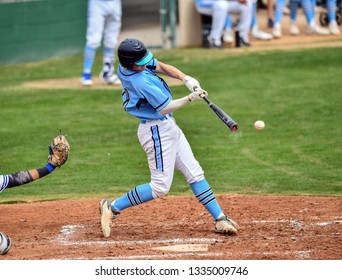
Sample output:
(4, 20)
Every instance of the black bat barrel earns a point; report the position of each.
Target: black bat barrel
(228, 121)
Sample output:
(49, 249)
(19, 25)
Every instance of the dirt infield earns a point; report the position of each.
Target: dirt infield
(75, 83)
(271, 227)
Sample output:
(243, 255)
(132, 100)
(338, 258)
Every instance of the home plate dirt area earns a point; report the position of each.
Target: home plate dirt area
(175, 228)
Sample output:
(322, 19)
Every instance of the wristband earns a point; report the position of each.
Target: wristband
(50, 167)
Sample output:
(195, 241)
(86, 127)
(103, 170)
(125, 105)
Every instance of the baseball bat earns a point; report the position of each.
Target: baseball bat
(227, 120)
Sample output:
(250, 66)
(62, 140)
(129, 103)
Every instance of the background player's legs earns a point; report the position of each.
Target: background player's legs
(107, 74)
(254, 21)
(228, 31)
(278, 15)
(219, 13)
(333, 27)
(110, 40)
(309, 12)
(95, 24)
(245, 12)
(89, 54)
(294, 30)
(270, 8)
(256, 33)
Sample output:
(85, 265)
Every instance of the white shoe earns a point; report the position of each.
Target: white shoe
(294, 30)
(107, 216)
(261, 35)
(107, 75)
(276, 32)
(333, 28)
(315, 29)
(225, 225)
(228, 36)
(214, 43)
(109, 78)
(286, 10)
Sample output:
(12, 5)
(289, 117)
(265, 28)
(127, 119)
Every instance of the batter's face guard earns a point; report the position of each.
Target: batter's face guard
(133, 52)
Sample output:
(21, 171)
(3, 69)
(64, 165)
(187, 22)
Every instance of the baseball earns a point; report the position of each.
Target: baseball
(259, 125)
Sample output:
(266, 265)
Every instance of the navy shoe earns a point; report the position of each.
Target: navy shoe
(239, 42)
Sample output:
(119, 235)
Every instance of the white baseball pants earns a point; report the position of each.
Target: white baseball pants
(104, 21)
(219, 10)
(167, 148)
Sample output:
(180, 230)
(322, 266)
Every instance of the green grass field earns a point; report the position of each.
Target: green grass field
(297, 94)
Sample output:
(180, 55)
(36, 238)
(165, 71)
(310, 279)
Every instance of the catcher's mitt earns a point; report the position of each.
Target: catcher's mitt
(59, 150)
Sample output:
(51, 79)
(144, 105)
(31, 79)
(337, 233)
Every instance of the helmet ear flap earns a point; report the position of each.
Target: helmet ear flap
(125, 62)
(5, 243)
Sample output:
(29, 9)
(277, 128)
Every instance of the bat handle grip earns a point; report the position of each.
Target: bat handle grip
(206, 99)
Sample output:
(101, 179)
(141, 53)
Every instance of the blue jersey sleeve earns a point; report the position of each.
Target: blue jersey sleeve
(152, 65)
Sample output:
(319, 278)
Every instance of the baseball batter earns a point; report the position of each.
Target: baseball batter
(147, 97)
(104, 22)
(219, 9)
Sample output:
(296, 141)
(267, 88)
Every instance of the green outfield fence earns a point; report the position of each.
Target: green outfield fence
(32, 30)
(35, 30)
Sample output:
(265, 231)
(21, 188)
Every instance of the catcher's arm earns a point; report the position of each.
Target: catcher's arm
(58, 149)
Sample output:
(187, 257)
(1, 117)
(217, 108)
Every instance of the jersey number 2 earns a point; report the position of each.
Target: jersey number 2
(125, 98)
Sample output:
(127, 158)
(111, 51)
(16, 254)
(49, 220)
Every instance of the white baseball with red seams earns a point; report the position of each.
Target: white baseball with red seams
(259, 125)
